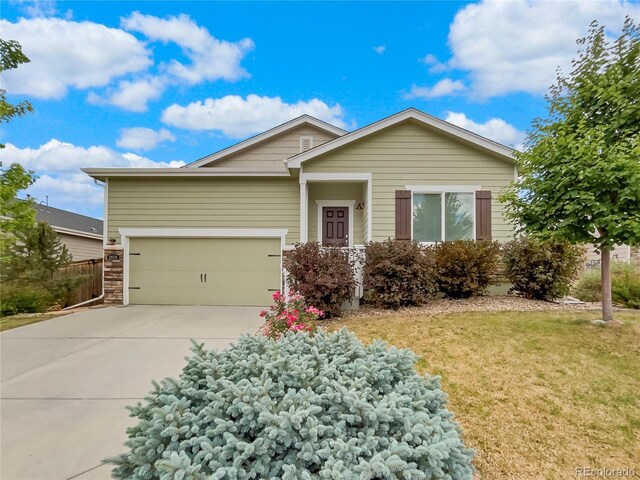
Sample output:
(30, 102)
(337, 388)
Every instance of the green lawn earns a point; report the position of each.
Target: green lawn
(537, 394)
(15, 321)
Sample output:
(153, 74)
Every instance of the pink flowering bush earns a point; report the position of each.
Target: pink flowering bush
(293, 314)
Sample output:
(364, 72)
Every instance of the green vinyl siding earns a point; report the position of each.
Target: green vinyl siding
(335, 191)
(274, 151)
(412, 154)
(203, 271)
(259, 202)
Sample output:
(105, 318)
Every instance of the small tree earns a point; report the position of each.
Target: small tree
(37, 255)
(579, 173)
(15, 215)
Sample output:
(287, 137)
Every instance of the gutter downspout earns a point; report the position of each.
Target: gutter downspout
(91, 300)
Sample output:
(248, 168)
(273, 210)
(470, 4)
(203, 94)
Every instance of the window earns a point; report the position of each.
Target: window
(442, 216)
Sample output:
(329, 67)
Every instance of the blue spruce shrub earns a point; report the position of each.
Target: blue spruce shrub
(322, 407)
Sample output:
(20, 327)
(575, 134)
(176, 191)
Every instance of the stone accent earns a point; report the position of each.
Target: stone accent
(113, 274)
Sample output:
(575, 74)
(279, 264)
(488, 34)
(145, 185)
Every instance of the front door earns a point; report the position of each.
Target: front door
(335, 226)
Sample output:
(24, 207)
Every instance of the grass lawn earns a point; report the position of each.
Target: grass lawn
(15, 321)
(537, 394)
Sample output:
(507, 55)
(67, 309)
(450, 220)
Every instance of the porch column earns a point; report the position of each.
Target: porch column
(304, 208)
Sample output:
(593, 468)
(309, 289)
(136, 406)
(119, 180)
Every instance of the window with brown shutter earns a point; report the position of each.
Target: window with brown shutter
(432, 214)
(483, 215)
(403, 215)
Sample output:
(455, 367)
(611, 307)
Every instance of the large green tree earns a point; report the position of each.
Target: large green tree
(15, 215)
(11, 57)
(580, 169)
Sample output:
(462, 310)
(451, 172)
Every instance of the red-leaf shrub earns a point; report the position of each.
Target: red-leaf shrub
(464, 268)
(398, 273)
(325, 276)
(540, 269)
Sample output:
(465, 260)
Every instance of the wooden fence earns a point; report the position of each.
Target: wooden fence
(91, 284)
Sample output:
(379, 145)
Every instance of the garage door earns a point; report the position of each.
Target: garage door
(203, 271)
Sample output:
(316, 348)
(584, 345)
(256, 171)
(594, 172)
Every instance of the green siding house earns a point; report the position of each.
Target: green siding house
(213, 232)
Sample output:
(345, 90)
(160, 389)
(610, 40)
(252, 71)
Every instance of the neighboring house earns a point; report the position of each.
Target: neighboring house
(213, 232)
(81, 234)
(620, 253)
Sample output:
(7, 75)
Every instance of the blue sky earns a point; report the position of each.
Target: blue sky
(165, 83)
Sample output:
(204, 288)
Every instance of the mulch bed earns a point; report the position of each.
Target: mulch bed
(494, 303)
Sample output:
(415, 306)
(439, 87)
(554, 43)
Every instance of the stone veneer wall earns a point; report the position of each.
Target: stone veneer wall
(113, 274)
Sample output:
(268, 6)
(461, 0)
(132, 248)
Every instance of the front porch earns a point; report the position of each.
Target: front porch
(335, 209)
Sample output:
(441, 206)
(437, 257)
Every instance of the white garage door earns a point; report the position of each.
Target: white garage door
(203, 271)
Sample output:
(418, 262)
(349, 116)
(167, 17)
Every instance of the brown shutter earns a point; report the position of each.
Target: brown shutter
(403, 215)
(483, 215)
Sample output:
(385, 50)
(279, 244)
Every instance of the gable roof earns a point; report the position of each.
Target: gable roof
(63, 221)
(261, 137)
(409, 114)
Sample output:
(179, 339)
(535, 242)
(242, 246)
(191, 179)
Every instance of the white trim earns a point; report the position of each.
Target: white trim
(350, 204)
(335, 177)
(296, 122)
(104, 173)
(443, 188)
(202, 232)
(77, 233)
(128, 233)
(442, 210)
(515, 172)
(304, 229)
(303, 138)
(105, 215)
(411, 113)
(369, 210)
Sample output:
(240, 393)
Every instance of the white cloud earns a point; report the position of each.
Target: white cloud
(68, 54)
(517, 45)
(140, 138)
(380, 49)
(429, 59)
(211, 59)
(61, 157)
(495, 129)
(131, 95)
(238, 117)
(37, 8)
(433, 63)
(58, 164)
(444, 87)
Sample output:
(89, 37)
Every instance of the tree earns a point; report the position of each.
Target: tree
(38, 254)
(11, 57)
(579, 173)
(15, 215)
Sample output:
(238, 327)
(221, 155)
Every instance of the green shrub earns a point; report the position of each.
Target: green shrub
(16, 298)
(398, 273)
(302, 407)
(325, 276)
(541, 270)
(625, 285)
(465, 268)
(63, 287)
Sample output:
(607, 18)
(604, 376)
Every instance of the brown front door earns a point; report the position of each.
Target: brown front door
(335, 226)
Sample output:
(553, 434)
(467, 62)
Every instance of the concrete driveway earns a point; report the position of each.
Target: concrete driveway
(65, 382)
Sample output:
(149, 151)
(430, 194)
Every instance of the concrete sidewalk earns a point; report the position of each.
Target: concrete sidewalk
(65, 382)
